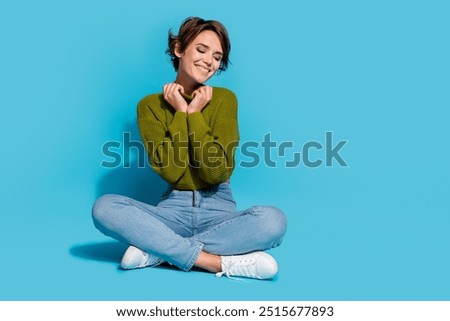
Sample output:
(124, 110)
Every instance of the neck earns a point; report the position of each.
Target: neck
(189, 86)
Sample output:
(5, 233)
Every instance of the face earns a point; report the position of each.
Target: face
(201, 59)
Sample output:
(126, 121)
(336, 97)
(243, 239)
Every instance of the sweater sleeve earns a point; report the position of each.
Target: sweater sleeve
(212, 148)
(167, 146)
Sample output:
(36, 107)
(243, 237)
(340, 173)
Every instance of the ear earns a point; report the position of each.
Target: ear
(177, 51)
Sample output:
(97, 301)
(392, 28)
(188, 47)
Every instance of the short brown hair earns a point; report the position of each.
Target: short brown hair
(189, 30)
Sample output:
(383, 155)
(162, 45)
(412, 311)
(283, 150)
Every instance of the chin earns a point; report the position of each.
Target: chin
(202, 78)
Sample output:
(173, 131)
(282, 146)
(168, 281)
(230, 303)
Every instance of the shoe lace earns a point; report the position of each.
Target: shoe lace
(227, 270)
(151, 260)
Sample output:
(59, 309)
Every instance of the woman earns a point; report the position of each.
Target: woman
(191, 132)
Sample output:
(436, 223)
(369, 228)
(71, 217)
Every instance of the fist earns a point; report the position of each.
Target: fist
(172, 94)
(201, 98)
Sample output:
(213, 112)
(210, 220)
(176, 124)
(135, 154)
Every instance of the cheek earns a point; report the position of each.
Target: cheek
(216, 65)
(195, 56)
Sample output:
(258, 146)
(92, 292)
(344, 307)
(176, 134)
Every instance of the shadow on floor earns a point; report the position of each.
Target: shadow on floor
(111, 251)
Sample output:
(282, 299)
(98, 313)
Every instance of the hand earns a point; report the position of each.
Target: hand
(201, 98)
(172, 94)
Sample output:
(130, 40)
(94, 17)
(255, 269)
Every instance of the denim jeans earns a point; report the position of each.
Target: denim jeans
(187, 222)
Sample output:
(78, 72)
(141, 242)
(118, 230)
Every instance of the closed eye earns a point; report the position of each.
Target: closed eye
(203, 48)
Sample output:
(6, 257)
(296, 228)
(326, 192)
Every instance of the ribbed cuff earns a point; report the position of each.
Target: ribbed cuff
(196, 123)
(178, 122)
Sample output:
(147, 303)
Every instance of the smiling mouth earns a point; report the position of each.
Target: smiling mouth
(203, 69)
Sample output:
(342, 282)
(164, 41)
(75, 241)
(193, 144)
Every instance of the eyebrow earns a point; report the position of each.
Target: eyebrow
(216, 52)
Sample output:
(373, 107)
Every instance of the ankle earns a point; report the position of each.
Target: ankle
(209, 262)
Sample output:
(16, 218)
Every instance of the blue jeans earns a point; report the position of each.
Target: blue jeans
(187, 222)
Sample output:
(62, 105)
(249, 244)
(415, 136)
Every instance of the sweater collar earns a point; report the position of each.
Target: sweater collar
(187, 97)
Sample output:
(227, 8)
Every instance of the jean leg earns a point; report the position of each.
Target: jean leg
(257, 228)
(147, 227)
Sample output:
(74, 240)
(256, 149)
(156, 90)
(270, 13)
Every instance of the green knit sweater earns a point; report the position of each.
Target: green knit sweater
(194, 151)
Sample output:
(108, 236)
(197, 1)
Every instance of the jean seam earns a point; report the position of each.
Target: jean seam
(194, 256)
(133, 203)
(206, 233)
(222, 200)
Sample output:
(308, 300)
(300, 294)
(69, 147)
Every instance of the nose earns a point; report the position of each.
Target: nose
(208, 60)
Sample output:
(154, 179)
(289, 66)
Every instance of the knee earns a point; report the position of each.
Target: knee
(274, 221)
(103, 207)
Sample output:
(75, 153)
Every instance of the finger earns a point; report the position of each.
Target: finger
(180, 88)
(172, 93)
(165, 91)
(172, 89)
(175, 89)
(208, 90)
(202, 91)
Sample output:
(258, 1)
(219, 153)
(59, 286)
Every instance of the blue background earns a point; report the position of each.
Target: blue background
(375, 73)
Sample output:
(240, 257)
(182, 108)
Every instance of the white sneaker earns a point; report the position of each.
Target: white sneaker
(256, 265)
(135, 258)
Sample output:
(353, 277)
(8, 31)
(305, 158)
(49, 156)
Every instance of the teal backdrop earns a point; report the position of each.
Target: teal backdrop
(374, 73)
